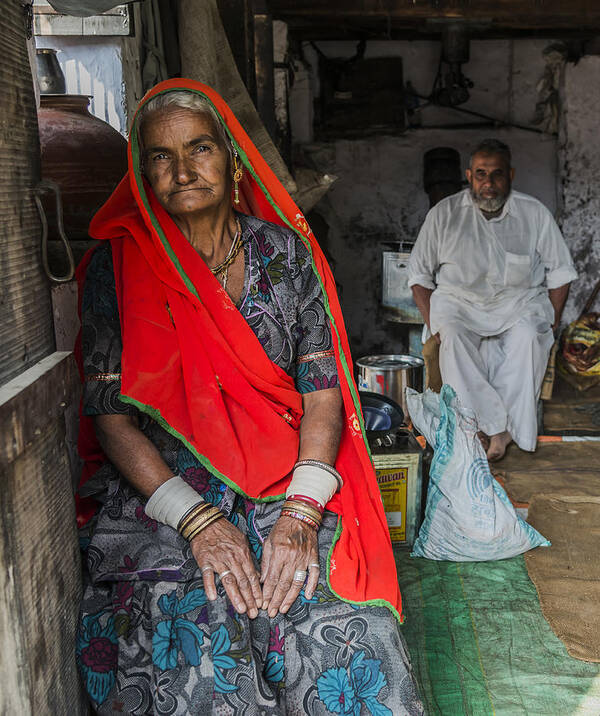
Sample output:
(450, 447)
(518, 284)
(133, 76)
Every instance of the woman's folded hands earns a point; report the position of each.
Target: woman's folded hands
(223, 550)
(290, 562)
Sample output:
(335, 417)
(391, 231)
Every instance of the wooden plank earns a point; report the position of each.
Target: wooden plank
(132, 69)
(66, 328)
(13, 655)
(48, 25)
(26, 325)
(32, 399)
(47, 21)
(40, 555)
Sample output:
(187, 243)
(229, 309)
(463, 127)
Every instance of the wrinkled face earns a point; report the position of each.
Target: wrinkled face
(185, 161)
(490, 178)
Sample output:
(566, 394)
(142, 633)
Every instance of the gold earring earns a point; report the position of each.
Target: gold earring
(237, 177)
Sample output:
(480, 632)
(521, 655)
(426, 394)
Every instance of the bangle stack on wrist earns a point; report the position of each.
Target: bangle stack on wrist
(198, 519)
(313, 484)
(308, 500)
(304, 511)
(177, 504)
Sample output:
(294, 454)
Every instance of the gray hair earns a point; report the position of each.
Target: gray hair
(492, 146)
(186, 100)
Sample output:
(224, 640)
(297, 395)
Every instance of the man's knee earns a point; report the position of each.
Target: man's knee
(452, 333)
(527, 333)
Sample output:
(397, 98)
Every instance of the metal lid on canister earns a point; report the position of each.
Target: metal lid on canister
(390, 362)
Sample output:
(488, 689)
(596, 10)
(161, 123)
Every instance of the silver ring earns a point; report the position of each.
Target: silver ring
(315, 564)
(225, 573)
(206, 568)
(300, 575)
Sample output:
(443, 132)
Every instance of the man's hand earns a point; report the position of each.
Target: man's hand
(422, 298)
(290, 547)
(220, 548)
(558, 298)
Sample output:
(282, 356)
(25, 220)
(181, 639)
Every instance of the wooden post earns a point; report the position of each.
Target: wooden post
(265, 76)
(237, 17)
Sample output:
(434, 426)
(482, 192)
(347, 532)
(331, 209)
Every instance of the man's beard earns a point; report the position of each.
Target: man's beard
(489, 205)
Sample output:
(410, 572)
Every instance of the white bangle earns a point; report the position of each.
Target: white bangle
(312, 481)
(325, 466)
(172, 501)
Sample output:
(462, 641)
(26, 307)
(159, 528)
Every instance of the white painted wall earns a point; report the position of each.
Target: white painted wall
(580, 177)
(379, 195)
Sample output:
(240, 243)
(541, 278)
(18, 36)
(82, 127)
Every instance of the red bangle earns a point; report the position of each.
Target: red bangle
(308, 500)
(303, 518)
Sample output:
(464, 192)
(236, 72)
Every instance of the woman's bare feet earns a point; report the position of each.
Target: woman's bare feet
(498, 445)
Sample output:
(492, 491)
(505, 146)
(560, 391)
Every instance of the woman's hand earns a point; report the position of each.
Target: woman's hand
(221, 548)
(290, 547)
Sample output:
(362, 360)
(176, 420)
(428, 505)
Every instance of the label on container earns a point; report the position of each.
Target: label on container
(392, 485)
(394, 519)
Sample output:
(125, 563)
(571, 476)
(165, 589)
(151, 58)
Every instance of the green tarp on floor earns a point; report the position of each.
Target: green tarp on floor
(480, 644)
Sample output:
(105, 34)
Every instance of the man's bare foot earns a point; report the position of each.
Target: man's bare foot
(498, 445)
(484, 440)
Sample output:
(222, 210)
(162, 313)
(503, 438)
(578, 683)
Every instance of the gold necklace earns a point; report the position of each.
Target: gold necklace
(234, 250)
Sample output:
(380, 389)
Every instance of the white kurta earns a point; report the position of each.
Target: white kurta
(487, 276)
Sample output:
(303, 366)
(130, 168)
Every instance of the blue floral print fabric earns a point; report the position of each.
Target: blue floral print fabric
(160, 647)
(149, 641)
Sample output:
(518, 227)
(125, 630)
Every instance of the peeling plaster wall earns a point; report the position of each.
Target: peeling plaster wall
(379, 194)
(580, 172)
(504, 73)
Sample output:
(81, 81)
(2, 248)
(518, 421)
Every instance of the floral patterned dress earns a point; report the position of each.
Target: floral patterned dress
(149, 641)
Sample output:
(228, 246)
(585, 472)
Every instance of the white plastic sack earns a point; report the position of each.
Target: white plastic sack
(468, 516)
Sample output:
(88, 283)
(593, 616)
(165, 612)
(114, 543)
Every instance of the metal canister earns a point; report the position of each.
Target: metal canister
(49, 75)
(399, 469)
(390, 375)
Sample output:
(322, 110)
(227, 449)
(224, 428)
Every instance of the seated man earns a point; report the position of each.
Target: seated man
(490, 274)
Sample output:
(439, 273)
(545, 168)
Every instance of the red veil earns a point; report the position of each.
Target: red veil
(191, 362)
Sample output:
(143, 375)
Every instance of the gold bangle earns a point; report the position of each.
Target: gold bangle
(215, 518)
(192, 514)
(199, 520)
(193, 511)
(204, 525)
(197, 526)
(303, 504)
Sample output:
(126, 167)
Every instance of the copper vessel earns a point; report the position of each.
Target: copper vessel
(85, 156)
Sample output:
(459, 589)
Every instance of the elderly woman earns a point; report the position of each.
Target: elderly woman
(237, 557)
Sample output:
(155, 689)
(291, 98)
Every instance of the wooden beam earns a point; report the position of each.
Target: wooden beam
(518, 14)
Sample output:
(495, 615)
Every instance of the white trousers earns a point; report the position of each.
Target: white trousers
(498, 377)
